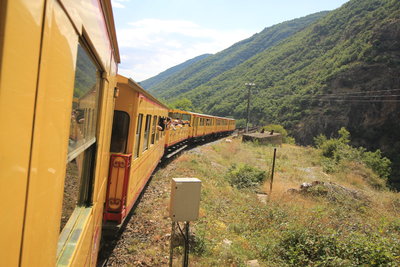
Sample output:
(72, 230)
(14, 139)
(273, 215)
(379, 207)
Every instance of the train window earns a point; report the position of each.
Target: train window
(120, 130)
(137, 137)
(175, 115)
(146, 133)
(153, 130)
(82, 136)
(186, 117)
(157, 130)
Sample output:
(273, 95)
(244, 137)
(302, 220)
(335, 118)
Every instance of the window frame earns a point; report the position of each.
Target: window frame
(88, 150)
(126, 135)
(138, 134)
(153, 130)
(146, 135)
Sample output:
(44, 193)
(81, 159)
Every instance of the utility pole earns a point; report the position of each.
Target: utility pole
(249, 85)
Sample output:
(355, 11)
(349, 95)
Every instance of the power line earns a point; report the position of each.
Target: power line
(344, 95)
(363, 92)
(367, 96)
(360, 100)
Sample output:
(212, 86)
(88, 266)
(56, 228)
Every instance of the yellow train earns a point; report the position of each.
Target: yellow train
(143, 130)
(60, 115)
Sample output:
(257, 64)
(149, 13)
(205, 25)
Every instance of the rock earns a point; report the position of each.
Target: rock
(227, 242)
(228, 140)
(263, 198)
(252, 263)
(216, 165)
(305, 185)
(292, 191)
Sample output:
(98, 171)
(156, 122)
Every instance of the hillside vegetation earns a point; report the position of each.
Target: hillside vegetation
(201, 72)
(343, 216)
(156, 80)
(342, 71)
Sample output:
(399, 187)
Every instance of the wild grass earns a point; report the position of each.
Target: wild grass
(317, 229)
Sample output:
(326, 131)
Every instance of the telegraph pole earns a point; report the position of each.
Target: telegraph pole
(249, 85)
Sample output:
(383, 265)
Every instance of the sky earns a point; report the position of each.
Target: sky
(154, 35)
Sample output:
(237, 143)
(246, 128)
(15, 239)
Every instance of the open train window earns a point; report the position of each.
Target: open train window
(82, 136)
(146, 133)
(175, 115)
(157, 130)
(120, 130)
(153, 130)
(137, 137)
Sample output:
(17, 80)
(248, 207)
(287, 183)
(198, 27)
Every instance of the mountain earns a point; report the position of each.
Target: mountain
(342, 70)
(210, 67)
(161, 77)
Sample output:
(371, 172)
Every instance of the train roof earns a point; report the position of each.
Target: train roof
(180, 111)
(110, 24)
(206, 115)
(135, 86)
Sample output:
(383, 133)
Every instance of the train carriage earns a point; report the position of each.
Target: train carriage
(180, 128)
(58, 63)
(207, 126)
(202, 126)
(137, 146)
(59, 180)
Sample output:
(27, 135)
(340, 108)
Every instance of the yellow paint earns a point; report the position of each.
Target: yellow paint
(134, 100)
(37, 68)
(20, 24)
(50, 138)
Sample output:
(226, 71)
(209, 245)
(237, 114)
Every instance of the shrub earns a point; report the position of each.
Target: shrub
(338, 149)
(245, 176)
(303, 247)
(240, 123)
(379, 164)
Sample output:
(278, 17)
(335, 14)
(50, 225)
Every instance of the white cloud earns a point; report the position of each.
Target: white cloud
(150, 46)
(118, 3)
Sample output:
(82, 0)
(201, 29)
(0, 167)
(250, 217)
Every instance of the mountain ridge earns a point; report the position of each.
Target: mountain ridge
(355, 48)
(153, 81)
(227, 59)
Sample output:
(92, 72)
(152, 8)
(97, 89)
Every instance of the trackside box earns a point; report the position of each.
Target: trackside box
(185, 199)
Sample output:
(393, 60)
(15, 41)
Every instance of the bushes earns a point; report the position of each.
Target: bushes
(379, 164)
(245, 176)
(303, 247)
(337, 150)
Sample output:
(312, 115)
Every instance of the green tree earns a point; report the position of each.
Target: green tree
(183, 104)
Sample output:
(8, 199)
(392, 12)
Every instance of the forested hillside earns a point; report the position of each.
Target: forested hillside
(154, 81)
(210, 67)
(341, 71)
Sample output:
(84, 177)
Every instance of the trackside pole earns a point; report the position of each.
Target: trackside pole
(171, 248)
(185, 262)
(272, 174)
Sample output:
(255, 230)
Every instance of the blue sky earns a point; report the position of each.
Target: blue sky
(154, 35)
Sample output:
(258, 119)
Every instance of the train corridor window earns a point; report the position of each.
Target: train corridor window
(82, 136)
(153, 130)
(120, 130)
(137, 136)
(146, 133)
(186, 117)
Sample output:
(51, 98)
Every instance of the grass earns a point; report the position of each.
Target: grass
(316, 229)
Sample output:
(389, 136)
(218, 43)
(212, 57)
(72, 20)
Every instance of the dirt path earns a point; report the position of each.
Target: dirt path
(148, 229)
